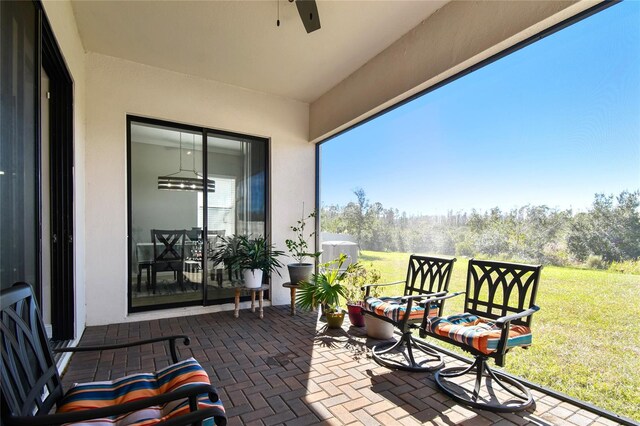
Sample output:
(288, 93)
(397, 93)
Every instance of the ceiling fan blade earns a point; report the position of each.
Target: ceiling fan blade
(308, 11)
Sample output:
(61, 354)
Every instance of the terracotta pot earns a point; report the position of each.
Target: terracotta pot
(335, 319)
(356, 317)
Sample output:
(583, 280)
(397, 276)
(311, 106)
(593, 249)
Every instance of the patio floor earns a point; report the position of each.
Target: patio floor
(292, 371)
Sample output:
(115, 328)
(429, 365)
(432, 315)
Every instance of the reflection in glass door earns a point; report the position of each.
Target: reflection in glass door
(237, 207)
(178, 218)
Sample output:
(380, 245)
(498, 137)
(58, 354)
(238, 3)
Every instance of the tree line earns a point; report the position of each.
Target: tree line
(609, 231)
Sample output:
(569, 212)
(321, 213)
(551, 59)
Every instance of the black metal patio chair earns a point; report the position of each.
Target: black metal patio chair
(498, 308)
(426, 276)
(180, 394)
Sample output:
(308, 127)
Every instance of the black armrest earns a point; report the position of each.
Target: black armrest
(434, 298)
(366, 287)
(78, 416)
(381, 284)
(445, 297)
(170, 339)
(502, 321)
(409, 300)
(420, 296)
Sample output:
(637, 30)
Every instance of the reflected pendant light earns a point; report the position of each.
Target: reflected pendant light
(186, 180)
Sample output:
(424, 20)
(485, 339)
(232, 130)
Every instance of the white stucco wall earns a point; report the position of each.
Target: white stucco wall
(64, 27)
(116, 88)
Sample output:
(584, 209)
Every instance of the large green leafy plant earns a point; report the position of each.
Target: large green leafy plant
(241, 252)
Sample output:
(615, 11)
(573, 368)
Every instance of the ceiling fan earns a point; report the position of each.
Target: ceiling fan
(308, 11)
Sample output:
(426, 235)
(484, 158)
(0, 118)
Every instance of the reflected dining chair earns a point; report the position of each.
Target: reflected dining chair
(498, 308)
(426, 276)
(168, 254)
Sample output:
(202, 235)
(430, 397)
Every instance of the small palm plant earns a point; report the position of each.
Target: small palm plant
(325, 287)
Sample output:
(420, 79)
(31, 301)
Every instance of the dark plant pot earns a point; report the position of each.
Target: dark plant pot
(300, 272)
(355, 315)
(335, 319)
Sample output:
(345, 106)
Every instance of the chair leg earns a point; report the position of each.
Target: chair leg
(407, 361)
(180, 279)
(483, 395)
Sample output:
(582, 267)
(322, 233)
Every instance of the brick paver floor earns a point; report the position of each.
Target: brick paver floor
(292, 371)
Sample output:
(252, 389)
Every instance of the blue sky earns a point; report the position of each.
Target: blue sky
(553, 123)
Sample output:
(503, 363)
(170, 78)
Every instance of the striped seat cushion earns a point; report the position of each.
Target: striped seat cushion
(395, 309)
(87, 396)
(478, 333)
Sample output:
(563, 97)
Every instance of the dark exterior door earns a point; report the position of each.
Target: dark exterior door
(27, 46)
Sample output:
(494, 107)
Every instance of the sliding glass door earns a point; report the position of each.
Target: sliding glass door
(178, 219)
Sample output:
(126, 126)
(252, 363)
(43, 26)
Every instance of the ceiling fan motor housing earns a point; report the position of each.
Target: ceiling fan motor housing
(308, 11)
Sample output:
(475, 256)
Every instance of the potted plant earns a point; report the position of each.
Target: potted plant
(325, 288)
(299, 251)
(357, 276)
(253, 257)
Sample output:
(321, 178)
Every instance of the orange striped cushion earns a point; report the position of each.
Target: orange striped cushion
(478, 333)
(138, 386)
(395, 309)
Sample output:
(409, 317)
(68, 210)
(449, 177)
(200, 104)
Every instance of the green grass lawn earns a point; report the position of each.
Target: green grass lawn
(586, 334)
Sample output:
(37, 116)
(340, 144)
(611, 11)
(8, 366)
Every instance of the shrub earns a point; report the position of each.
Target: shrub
(465, 248)
(596, 262)
(626, 267)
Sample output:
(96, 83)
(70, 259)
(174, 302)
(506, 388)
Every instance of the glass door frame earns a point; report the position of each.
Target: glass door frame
(205, 132)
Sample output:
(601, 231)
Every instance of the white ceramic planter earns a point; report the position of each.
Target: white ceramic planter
(378, 329)
(252, 278)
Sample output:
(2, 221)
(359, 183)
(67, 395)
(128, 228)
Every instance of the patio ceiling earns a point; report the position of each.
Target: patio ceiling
(238, 42)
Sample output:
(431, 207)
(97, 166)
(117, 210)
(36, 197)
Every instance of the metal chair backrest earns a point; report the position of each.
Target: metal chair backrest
(428, 275)
(30, 382)
(168, 245)
(496, 289)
